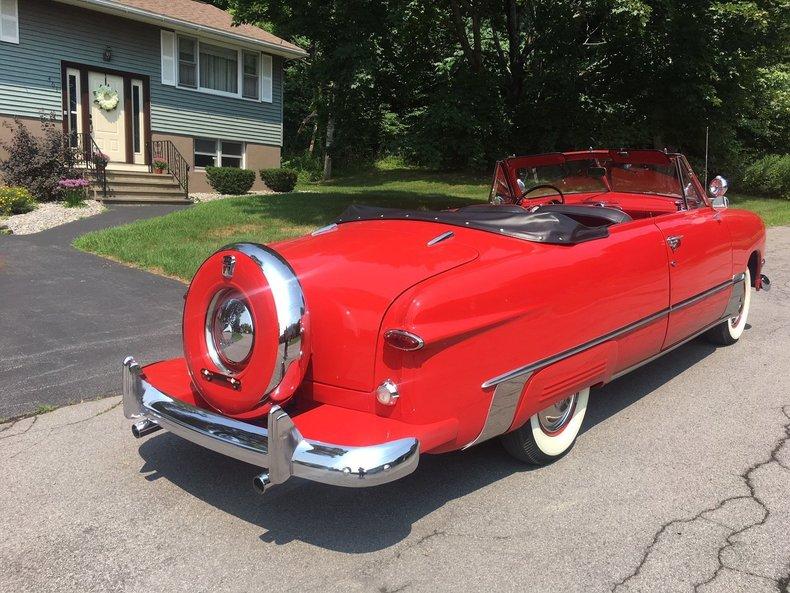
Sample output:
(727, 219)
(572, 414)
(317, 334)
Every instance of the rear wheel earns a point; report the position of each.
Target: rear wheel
(550, 433)
(728, 331)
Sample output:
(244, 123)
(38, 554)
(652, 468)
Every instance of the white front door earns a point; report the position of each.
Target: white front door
(108, 124)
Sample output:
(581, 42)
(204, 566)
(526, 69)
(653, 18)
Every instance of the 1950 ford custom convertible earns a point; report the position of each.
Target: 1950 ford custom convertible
(342, 356)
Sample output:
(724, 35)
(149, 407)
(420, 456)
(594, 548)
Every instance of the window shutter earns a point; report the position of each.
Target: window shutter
(266, 78)
(9, 21)
(168, 57)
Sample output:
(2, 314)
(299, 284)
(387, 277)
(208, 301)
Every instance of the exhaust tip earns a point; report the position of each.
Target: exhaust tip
(261, 482)
(144, 427)
(765, 283)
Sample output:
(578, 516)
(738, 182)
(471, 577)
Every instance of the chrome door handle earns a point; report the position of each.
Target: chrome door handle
(674, 241)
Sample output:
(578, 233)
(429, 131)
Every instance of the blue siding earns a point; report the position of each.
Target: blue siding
(50, 32)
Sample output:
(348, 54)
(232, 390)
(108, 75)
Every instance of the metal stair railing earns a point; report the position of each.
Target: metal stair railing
(166, 152)
(87, 153)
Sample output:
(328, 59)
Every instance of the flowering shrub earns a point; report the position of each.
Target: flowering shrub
(15, 200)
(74, 191)
(38, 161)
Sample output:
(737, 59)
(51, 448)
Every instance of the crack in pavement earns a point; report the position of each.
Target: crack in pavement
(11, 425)
(746, 477)
(60, 426)
(17, 434)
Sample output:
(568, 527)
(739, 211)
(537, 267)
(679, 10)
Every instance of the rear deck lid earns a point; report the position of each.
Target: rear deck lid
(351, 274)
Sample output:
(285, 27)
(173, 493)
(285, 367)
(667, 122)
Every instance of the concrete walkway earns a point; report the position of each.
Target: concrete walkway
(67, 318)
(679, 482)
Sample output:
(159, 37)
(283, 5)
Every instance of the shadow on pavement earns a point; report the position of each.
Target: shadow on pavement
(370, 519)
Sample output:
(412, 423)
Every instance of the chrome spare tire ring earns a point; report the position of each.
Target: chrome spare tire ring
(289, 302)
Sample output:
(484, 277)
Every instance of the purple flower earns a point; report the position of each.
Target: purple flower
(74, 183)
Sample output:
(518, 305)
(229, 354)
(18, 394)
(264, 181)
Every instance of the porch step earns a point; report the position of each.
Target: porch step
(140, 179)
(139, 186)
(138, 199)
(135, 189)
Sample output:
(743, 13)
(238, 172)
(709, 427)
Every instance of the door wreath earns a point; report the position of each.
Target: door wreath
(105, 97)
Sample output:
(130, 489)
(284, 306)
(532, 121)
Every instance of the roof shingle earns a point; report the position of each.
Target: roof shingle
(206, 15)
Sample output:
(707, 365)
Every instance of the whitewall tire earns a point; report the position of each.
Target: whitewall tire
(728, 331)
(550, 433)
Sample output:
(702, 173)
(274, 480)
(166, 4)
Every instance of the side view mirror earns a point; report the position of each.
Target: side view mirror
(718, 187)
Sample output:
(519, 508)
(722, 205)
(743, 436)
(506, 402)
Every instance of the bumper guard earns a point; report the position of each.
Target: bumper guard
(279, 447)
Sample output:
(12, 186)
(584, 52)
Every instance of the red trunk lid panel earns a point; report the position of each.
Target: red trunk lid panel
(350, 277)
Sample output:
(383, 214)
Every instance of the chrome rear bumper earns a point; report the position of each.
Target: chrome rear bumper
(279, 447)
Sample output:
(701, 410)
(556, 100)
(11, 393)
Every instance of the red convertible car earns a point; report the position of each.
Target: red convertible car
(342, 356)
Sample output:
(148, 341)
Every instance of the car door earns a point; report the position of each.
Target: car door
(699, 253)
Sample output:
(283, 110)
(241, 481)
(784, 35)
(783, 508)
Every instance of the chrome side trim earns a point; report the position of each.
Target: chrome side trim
(736, 297)
(669, 348)
(502, 408)
(289, 302)
(508, 386)
(440, 238)
(535, 366)
(703, 295)
(279, 447)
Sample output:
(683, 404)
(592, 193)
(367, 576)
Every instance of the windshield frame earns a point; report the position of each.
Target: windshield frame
(509, 169)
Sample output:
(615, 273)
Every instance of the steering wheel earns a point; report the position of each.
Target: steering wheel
(541, 186)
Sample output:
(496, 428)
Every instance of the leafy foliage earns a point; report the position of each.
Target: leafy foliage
(463, 82)
(15, 200)
(281, 180)
(230, 180)
(770, 176)
(38, 162)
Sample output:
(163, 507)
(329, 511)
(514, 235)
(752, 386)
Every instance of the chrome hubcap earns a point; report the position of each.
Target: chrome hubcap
(554, 418)
(231, 330)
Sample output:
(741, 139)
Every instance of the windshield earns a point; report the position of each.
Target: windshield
(597, 175)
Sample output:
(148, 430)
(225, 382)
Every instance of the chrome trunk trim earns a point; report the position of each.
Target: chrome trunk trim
(279, 447)
(440, 238)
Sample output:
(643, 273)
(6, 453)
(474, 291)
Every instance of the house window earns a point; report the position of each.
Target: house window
(252, 71)
(187, 62)
(231, 154)
(72, 108)
(9, 21)
(219, 68)
(136, 111)
(73, 113)
(214, 68)
(218, 153)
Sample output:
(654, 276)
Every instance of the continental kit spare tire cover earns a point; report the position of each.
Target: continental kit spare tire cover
(246, 330)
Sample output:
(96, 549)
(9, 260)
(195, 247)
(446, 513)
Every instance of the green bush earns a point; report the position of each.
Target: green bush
(282, 180)
(307, 166)
(230, 180)
(15, 200)
(770, 176)
(37, 162)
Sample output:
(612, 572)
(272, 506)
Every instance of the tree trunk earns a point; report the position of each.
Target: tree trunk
(311, 149)
(330, 133)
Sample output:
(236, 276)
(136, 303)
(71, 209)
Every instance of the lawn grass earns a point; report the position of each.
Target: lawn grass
(176, 244)
(774, 212)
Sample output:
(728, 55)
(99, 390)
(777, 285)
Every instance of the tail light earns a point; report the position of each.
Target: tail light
(403, 340)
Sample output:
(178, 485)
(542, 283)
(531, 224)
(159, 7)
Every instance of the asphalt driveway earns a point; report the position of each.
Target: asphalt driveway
(67, 318)
(680, 481)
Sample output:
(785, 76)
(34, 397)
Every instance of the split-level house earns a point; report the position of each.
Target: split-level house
(146, 80)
